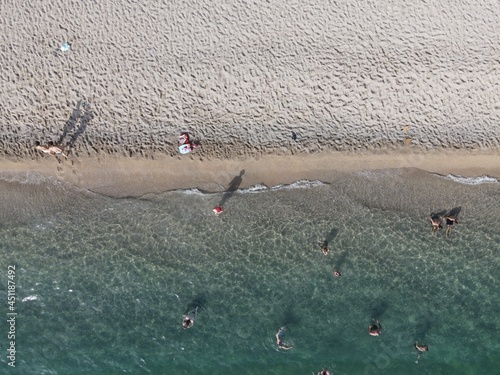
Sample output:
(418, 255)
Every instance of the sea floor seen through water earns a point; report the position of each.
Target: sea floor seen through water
(102, 284)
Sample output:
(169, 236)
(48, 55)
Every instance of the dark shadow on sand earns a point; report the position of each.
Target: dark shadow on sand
(233, 186)
(77, 123)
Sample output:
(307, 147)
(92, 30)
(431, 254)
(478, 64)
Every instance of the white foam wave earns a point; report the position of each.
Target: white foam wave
(29, 298)
(471, 180)
(192, 192)
(301, 184)
(255, 189)
(27, 178)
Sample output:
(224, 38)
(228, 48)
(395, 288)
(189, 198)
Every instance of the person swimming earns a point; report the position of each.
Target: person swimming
(187, 322)
(217, 210)
(189, 318)
(279, 335)
(337, 274)
(325, 250)
(420, 350)
(375, 329)
(324, 372)
(324, 247)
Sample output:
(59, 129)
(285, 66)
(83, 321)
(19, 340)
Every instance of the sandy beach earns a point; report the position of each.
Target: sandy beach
(134, 177)
(362, 85)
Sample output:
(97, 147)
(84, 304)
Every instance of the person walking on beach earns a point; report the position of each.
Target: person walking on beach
(279, 339)
(436, 223)
(450, 221)
(375, 329)
(52, 150)
(420, 350)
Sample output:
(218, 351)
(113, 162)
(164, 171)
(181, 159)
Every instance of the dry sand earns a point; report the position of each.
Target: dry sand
(346, 76)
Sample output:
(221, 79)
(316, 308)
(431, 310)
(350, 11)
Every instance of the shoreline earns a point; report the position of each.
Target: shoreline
(134, 177)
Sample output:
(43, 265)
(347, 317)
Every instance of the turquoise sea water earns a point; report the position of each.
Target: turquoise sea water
(102, 284)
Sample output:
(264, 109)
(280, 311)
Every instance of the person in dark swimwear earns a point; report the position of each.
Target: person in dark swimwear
(279, 339)
(450, 221)
(420, 350)
(337, 274)
(436, 223)
(375, 329)
(324, 372)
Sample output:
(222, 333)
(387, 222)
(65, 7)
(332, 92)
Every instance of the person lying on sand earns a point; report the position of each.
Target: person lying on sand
(186, 145)
(279, 341)
(52, 150)
(436, 223)
(450, 221)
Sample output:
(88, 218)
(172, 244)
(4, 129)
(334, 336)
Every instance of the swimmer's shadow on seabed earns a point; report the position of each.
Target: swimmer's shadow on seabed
(423, 326)
(197, 304)
(379, 309)
(341, 260)
(290, 318)
(329, 237)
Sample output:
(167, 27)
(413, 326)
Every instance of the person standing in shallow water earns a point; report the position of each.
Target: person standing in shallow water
(436, 223)
(450, 221)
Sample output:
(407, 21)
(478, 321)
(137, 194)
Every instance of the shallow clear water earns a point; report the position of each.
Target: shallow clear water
(106, 282)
